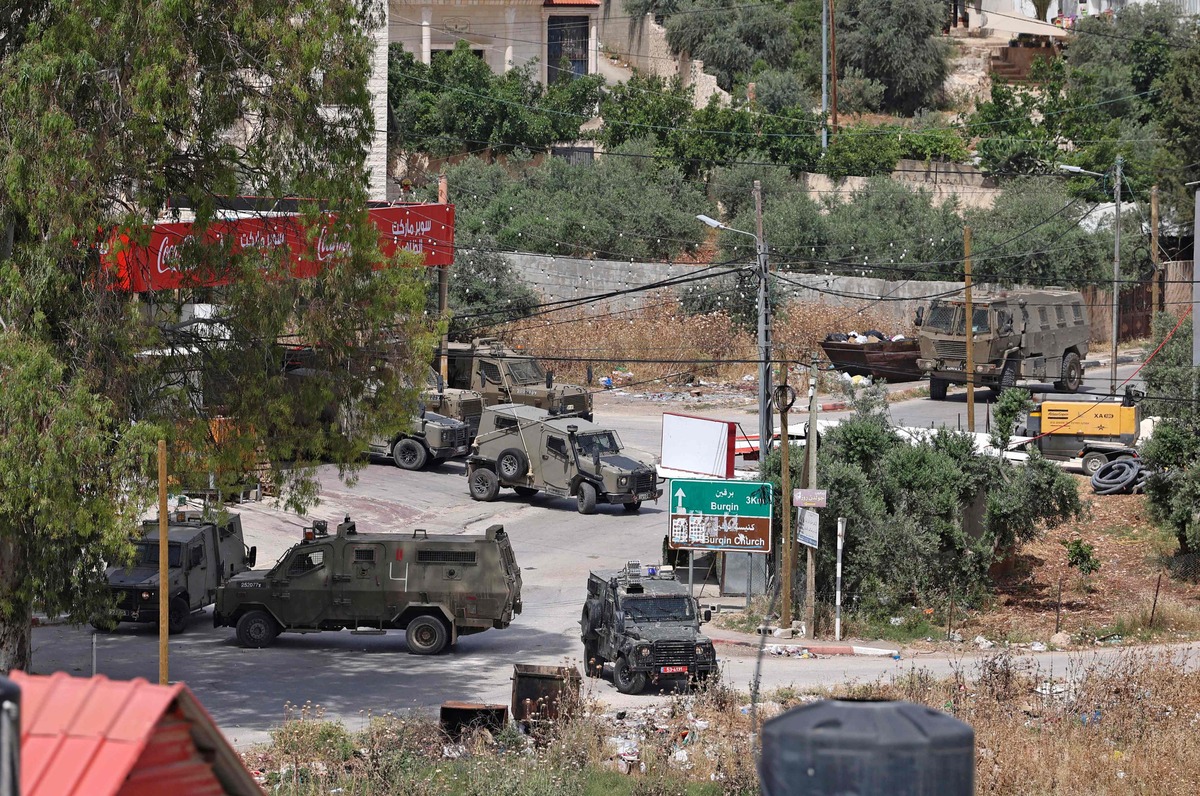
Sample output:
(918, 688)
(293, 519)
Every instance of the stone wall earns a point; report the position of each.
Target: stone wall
(642, 45)
(970, 186)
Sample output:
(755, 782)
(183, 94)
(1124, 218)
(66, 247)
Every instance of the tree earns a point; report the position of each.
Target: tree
(113, 112)
(645, 106)
(732, 44)
(898, 43)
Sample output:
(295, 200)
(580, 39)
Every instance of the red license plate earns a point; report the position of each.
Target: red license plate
(674, 670)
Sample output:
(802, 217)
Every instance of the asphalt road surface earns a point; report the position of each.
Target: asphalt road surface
(352, 676)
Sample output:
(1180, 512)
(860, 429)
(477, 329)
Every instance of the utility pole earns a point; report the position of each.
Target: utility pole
(824, 75)
(1154, 256)
(164, 544)
(810, 466)
(444, 289)
(833, 67)
(1116, 280)
(781, 393)
(970, 328)
(765, 425)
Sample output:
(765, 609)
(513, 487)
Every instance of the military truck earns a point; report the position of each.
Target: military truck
(647, 625)
(464, 405)
(530, 450)
(434, 587)
(201, 555)
(1016, 335)
(504, 374)
(1095, 432)
(431, 440)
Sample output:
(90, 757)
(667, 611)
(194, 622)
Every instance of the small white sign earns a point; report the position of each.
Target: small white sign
(807, 522)
(809, 498)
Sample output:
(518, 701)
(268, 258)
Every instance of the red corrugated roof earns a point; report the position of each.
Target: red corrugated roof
(101, 737)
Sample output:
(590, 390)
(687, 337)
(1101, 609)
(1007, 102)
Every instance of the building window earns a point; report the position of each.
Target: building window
(566, 47)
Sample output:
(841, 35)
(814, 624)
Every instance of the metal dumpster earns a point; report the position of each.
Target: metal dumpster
(457, 717)
(543, 693)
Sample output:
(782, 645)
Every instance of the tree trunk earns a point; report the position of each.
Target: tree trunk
(15, 612)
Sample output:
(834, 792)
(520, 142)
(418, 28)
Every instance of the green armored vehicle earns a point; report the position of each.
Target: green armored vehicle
(201, 555)
(531, 451)
(507, 375)
(434, 587)
(431, 439)
(647, 625)
(464, 405)
(1016, 335)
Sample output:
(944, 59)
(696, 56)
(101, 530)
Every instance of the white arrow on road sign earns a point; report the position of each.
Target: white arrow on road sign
(679, 493)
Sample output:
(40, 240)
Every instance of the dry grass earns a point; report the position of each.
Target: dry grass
(621, 344)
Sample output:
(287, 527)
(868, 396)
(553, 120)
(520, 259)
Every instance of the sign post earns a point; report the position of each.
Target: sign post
(726, 516)
(837, 616)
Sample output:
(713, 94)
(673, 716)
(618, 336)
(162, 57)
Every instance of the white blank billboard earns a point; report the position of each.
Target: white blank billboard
(698, 445)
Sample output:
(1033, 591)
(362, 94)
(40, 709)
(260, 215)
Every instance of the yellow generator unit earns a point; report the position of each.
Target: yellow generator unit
(1094, 431)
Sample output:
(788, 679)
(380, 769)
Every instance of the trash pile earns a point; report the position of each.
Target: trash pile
(658, 726)
(1120, 477)
(869, 336)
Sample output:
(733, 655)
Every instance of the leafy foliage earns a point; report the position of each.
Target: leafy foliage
(732, 44)
(862, 151)
(1081, 556)
(644, 106)
(1009, 407)
(898, 43)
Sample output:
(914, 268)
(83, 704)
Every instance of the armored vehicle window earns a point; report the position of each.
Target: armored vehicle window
(557, 446)
(1062, 316)
(657, 609)
(1078, 308)
(506, 422)
(941, 317)
(306, 562)
(980, 322)
(364, 554)
(526, 371)
(146, 554)
(490, 372)
(1043, 317)
(445, 556)
(197, 556)
(603, 442)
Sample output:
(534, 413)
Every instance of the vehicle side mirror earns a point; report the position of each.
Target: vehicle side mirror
(441, 384)
(706, 616)
(917, 321)
(549, 379)
(596, 458)
(251, 556)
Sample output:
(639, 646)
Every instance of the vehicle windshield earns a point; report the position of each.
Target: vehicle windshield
(602, 442)
(146, 554)
(943, 318)
(526, 371)
(657, 609)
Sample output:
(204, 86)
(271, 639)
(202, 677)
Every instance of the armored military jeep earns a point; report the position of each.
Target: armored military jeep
(503, 375)
(432, 439)
(531, 451)
(433, 587)
(201, 555)
(464, 405)
(1015, 335)
(647, 625)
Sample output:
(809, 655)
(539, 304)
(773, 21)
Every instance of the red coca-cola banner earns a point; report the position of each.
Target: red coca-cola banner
(425, 229)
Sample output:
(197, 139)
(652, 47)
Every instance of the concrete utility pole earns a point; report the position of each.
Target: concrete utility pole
(810, 465)
(784, 404)
(1154, 256)
(833, 68)
(824, 75)
(970, 329)
(764, 331)
(164, 544)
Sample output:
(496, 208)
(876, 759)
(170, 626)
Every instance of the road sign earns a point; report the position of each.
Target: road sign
(720, 515)
(807, 522)
(809, 498)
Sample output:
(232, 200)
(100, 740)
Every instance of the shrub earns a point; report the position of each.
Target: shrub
(862, 151)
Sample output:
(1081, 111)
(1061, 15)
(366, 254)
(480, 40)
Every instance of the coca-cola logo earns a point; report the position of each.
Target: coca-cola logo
(171, 253)
(328, 246)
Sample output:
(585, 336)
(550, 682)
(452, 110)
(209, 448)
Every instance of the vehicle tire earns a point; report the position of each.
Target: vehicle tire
(937, 388)
(586, 498)
(426, 635)
(634, 507)
(484, 484)
(1093, 462)
(512, 464)
(179, 614)
(256, 629)
(1072, 373)
(525, 491)
(409, 454)
(1008, 376)
(627, 682)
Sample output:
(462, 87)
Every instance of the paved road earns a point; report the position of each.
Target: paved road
(349, 676)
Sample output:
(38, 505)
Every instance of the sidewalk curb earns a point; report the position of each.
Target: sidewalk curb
(834, 406)
(816, 649)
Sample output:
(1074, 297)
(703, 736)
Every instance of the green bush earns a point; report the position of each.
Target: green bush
(861, 151)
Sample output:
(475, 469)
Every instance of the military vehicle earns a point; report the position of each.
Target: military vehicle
(201, 555)
(434, 587)
(531, 451)
(1016, 334)
(1094, 431)
(647, 625)
(431, 440)
(507, 375)
(464, 405)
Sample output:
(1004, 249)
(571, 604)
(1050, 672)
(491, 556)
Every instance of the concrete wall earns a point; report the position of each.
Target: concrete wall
(944, 180)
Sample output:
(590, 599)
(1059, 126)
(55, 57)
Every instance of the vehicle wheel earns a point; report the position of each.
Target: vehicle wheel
(1072, 373)
(593, 664)
(256, 629)
(937, 388)
(1093, 462)
(634, 507)
(426, 635)
(179, 614)
(525, 491)
(484, 484)
(586, 498)
(512, 464)
(1008, 376)
(627, 682)
(409, 454)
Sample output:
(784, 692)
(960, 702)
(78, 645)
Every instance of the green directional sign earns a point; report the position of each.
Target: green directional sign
(720, 515)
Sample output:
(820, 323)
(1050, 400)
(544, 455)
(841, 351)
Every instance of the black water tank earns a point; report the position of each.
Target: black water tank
(865, 748)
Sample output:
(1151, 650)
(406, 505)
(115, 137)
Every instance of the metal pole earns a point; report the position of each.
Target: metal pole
(785, 614)
(444, 289)
(1154, 605)
(970, 328)
(810, 455)
(164, 542)
(764, 333)
(93, 653)
(1196, 297)
(837, 615)
(833, 70)
(1116, 281)
(824, 75)
(692, 572)
(1154, 256)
